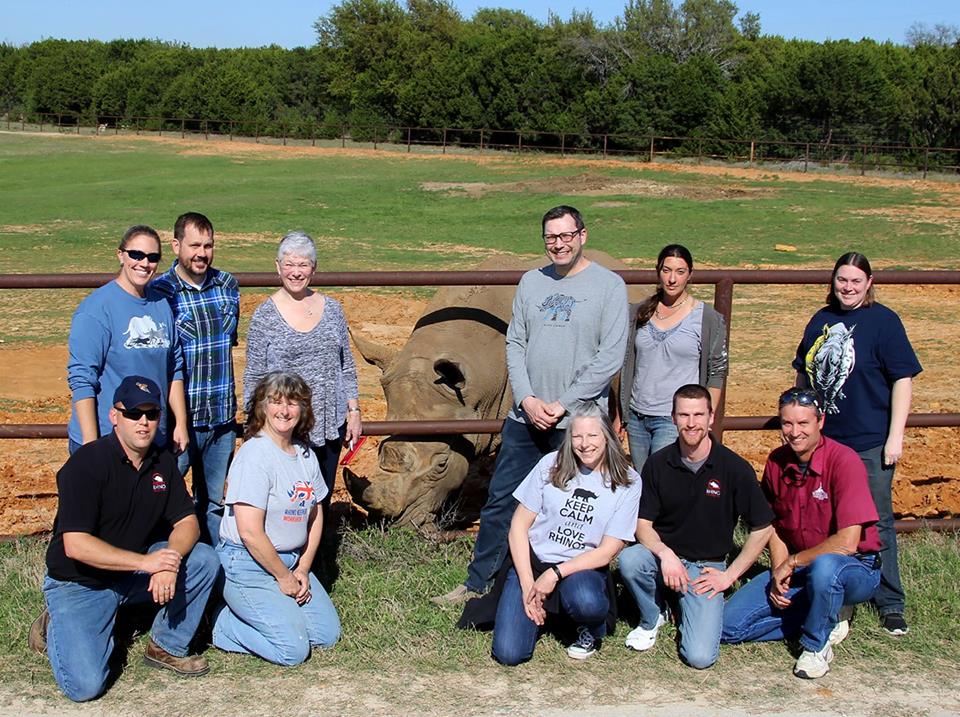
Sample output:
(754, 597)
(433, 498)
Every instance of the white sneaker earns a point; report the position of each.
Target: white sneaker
(812, 665)
(839, 632)
(642, 639)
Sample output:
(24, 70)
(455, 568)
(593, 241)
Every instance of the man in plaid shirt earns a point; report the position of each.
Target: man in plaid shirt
(206, 306)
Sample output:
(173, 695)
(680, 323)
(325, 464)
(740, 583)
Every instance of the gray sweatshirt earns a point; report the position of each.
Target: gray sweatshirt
(567, 337)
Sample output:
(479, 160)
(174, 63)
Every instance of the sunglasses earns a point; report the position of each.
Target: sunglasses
(135, 414)
(800, 396)
(151, 256)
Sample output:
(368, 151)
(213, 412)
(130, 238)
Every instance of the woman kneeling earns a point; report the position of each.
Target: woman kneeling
(276, 609)
(577, 508)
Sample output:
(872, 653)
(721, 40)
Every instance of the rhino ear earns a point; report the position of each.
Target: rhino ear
(373, 353)
(449, 374)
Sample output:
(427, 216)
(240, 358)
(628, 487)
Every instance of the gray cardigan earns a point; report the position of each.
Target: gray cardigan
(713, 361)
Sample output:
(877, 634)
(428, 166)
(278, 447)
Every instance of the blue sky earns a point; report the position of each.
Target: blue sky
(289, 23)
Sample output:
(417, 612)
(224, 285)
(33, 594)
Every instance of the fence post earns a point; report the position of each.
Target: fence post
(183, 124)
(376, 136)
(604, 146)
(313, 134)
(231, 131)
(78, 124)
(926, 160)
(519, 142)
(283, 131)
(256, 133)
(481, 141)
(444, 141)
(806, 158)
(563, 142)
(863, 160)
(41, 122)
(206, 130)
(651, 149)
(23, 122)
(723, 303)
(752, 150)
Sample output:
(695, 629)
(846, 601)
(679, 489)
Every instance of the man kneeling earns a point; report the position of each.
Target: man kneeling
(825, 550)
(694, 491)
(114, 494)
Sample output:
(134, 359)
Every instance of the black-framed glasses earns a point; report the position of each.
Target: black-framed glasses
(151, 256)
(565, 237)
(135, 414)
(801, 397)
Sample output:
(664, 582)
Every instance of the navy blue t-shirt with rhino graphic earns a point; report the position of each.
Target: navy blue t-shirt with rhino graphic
(852, 359)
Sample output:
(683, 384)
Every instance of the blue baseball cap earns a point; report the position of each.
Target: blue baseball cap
(137, 391)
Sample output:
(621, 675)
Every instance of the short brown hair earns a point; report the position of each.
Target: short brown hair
(692, 390)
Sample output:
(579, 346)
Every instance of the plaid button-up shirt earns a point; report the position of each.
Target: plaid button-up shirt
(206, 320)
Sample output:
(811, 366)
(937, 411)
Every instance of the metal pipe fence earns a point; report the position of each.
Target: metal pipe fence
(724, 281)
(850, 155)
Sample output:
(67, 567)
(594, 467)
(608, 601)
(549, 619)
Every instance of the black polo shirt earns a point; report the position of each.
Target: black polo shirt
(695, 513)
(101, 493)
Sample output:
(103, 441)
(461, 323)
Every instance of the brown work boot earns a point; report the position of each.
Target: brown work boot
(156, 656)
(37, 637)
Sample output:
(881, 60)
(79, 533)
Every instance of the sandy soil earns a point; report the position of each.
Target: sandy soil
(927, 484)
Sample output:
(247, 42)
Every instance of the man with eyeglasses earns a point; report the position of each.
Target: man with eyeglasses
(825, 550)
(206, 307)
(116, 494)
(565, 342)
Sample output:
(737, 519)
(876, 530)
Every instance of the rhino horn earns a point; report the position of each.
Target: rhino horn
(373, 353)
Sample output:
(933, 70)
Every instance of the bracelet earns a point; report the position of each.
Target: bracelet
(557, 572)
(353, 410)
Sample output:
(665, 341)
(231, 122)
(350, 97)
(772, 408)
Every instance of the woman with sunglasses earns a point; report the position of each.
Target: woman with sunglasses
(116, 332)
(301, 330)
(856, 355)
(275, 607)
(674, 340)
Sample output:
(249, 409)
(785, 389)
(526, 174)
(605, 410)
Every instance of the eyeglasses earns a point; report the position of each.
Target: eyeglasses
(801, 397)
(152, 257)
(565, 237)
(135, 414)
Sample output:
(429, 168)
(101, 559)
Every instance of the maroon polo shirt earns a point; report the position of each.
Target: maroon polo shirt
(832, 494)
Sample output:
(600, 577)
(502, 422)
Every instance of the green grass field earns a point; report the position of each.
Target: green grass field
(66, 201)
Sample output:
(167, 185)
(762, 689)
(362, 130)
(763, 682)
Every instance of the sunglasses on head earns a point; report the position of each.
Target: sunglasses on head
(801, 397)
(151, 256)
(135, 414)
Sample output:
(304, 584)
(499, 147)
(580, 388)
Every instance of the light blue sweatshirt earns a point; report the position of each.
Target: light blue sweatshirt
(114, 335)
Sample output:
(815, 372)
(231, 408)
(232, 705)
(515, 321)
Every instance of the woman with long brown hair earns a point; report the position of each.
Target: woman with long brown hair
(275, 607)
(674, 340)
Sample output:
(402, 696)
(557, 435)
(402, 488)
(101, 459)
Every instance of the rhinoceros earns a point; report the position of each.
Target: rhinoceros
(452, 367)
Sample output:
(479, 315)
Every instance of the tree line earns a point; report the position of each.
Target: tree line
(690, 69)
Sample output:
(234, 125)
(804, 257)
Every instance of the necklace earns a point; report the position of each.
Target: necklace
(673, 309)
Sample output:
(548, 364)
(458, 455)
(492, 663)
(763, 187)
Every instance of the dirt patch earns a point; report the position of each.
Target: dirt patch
(591, 184)
(948, 218)
(763, 340)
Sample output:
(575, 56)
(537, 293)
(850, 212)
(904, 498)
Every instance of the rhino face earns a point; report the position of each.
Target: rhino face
(413, 478)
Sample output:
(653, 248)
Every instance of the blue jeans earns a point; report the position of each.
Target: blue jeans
(521, 447)
(80, 635)
(701, 618)
(889, 596)
(208, 455)
(647, 435)
(260, 620)
(817, 592)
(583, 596)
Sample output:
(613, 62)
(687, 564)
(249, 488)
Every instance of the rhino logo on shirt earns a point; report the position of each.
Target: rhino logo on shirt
(558, 307)
(144, 333)
(829, 363)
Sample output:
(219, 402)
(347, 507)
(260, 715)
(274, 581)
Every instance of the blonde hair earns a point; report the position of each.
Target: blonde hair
(614, 466)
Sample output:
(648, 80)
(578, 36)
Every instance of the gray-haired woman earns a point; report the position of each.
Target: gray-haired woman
(302, 331)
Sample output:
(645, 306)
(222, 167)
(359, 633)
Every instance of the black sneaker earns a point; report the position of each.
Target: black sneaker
(584, 647)
(894, 624)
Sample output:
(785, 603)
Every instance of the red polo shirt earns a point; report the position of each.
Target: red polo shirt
(832, 494)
